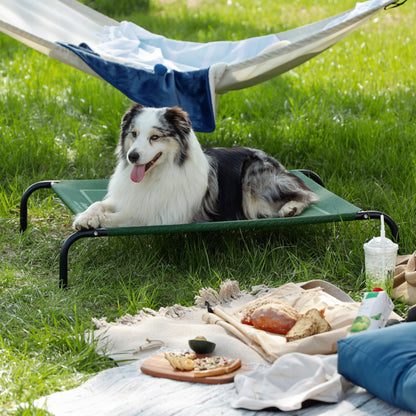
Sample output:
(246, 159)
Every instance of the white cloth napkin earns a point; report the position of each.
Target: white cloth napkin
(289, 381)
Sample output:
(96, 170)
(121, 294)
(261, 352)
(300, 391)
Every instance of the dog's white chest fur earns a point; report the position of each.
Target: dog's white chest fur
(168, 194)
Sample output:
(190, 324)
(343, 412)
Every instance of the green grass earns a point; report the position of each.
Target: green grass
(349, 114)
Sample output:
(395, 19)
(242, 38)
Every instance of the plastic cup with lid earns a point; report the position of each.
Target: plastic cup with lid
(380, 261)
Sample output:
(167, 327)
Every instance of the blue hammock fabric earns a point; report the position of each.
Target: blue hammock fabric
(189, 90)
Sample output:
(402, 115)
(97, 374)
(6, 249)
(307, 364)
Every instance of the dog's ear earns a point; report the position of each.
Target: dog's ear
(180, 119)
(128, 117)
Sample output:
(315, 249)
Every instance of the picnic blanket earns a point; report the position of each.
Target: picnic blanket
(126, 391)
(287, 384)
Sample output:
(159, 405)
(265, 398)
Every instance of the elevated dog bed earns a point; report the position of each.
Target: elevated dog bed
(77, 195)
(160, 72)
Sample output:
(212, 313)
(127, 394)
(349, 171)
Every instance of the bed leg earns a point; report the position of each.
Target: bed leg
(63, 259)
(25, 198)
(365, 215)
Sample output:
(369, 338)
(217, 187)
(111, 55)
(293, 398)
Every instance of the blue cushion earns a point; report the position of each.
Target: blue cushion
(383, 361)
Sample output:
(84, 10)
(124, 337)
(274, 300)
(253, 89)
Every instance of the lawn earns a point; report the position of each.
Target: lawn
(349, 114)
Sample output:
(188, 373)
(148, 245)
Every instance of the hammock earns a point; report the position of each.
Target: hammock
(157, 71)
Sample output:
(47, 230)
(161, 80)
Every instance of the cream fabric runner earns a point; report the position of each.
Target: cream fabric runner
(128, 338)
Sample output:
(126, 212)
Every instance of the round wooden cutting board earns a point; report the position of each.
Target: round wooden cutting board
(158, 366)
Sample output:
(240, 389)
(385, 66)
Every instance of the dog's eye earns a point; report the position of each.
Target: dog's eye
(134, 134)
(154, 137)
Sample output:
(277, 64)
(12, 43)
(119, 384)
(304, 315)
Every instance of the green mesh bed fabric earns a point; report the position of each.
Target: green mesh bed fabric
(79, 194)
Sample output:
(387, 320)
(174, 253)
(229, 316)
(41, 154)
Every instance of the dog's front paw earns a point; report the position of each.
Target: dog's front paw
(85, 222)
(93, 217)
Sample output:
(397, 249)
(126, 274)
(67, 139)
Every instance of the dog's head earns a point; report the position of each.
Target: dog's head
(151, 137)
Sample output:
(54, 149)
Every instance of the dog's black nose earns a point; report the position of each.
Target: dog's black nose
(134, 157)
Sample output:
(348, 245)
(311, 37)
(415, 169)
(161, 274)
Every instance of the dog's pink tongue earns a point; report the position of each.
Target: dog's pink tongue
(137, 174)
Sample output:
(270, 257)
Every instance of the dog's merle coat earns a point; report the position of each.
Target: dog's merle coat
(164, 176)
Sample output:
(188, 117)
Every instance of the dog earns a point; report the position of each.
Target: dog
(165, 176)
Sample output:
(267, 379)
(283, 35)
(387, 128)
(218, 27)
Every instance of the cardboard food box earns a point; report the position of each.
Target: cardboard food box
(373, 313)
